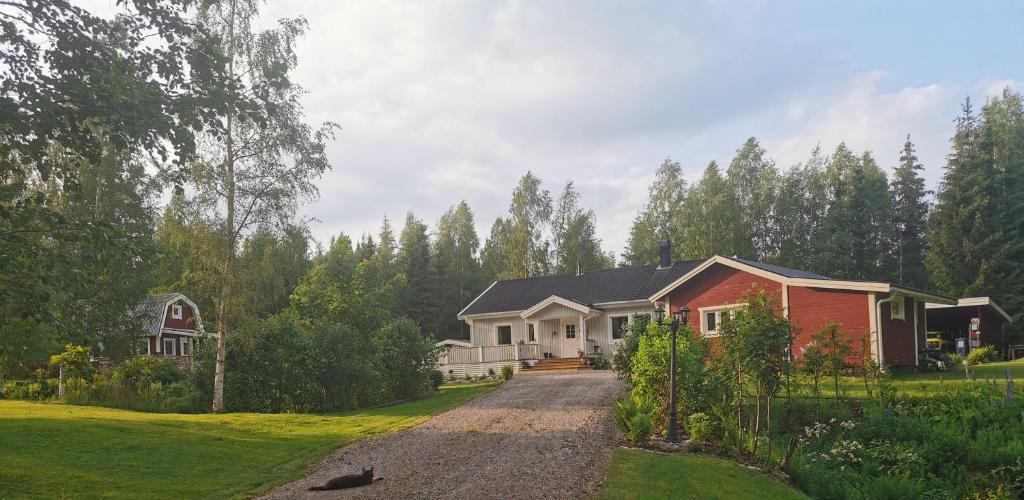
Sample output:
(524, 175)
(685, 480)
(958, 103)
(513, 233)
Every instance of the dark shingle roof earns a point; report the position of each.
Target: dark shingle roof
(785, 271)
(595, 287)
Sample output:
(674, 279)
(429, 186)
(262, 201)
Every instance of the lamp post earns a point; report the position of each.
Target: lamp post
(680, 317)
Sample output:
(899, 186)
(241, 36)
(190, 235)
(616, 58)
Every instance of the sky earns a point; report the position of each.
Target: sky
(442, 101)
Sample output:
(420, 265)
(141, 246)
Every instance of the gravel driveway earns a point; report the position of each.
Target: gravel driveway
(540, 435)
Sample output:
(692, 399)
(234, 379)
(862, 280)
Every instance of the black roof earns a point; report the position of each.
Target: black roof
(610, 285)
(785, 271)
(594, 287)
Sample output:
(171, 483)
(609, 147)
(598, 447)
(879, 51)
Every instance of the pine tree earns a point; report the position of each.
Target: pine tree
(574, 239)
(754, 181)
(384, 265)
(366, 248)
(654, 223)
(910, 213)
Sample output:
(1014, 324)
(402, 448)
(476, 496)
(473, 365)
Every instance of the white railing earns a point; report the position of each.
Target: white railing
(488, 354)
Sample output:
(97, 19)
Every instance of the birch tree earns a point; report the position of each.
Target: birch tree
(264, 162)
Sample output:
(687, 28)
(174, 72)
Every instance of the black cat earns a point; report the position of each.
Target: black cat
(348, 481)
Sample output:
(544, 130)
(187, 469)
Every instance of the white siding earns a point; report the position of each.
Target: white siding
(484, 331)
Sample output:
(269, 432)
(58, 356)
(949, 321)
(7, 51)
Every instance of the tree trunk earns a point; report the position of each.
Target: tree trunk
(229, 236)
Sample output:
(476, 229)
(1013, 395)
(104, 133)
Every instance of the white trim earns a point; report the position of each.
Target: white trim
(165, 341)
(873, 326)
(554, 299)
(973, 301)
(623, 303)
(703, 311)
(919, 294)
(575, 331)
(476, 299)
(529, 325)
(185, 341)
(785, 300)
(453, 342)
(499, 314)
(176, 311)
(917, 350)
(611, 324)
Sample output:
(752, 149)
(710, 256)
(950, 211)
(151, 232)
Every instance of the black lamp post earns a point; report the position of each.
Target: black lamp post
(680, 317)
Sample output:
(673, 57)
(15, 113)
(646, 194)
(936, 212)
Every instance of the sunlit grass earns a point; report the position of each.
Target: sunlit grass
(54, 450)
(637, 474)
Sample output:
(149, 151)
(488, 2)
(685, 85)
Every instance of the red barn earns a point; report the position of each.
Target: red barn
(171, 323)
(886, 320)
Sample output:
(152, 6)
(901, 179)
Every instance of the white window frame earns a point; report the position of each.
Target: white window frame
(531, 326)
(185, 343)
(176, 311)
(611, 324)
(497, 334)
(565, 328)
(717, 310)
(898, 300)
(165, 340)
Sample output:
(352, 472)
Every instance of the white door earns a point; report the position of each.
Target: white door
(569, 335)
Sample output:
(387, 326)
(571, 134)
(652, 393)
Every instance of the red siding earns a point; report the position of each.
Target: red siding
(718, 285)
(898, 335)
(186, 322)
(810, 309)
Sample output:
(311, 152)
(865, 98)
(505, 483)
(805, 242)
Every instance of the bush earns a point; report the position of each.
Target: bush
(143, 371)
(640, 426)
(506, 372)
(650, 371)
(623, 412)
(699, 427)
(956, 359)
(622, 358)
(602, 363)
(31, 390)
(436, 379)
(490, 373)
(73, 362)
(985, 354)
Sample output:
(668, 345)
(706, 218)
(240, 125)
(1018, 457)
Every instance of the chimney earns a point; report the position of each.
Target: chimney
(665, 246)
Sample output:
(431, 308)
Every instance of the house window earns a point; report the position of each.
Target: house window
(531, 335)
(186, 347)
(168, 347)
(144, 347)
(896, 308)
(176, 311)
(619, 324)
(711, 318)
(505, 335)
(570, 331)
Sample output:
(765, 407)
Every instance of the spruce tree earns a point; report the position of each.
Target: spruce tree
(910, 213)
(418, 300)
(456, 268)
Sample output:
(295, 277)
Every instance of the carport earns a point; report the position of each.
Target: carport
(950, 322)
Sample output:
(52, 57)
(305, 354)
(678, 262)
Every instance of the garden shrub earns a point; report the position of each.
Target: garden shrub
(73, 362)
(436, 378)
(491, 374)
(956, 359)
(625, 350)
(650, 371)
(623, 411)
(640, 427)
(506, 372)
(37, 390)
(698, 425)
(986, 354)
(143, 371)
(602, 363)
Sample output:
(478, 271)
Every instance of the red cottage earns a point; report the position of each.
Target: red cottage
(170, 323)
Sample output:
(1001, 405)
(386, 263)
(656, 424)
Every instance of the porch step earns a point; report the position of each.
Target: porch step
(551, 364)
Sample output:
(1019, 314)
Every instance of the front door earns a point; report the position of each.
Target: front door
(569, 338)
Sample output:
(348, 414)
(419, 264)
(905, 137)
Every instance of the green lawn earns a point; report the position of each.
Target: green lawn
(54, 450)
(908, 382)
(639, 474)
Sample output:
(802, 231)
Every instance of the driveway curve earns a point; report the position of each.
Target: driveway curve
(546, 434)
